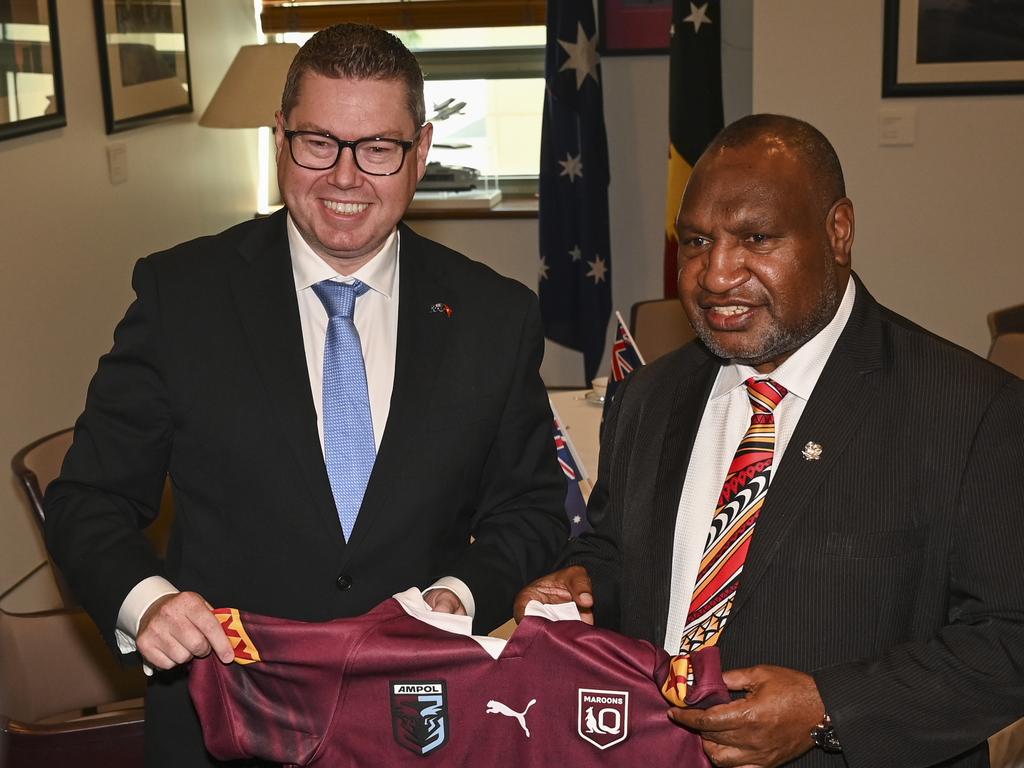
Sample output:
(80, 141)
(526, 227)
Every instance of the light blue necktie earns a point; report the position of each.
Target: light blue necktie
(349, 450)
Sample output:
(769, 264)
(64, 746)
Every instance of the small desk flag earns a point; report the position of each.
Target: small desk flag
(626, 358)
(575, 505)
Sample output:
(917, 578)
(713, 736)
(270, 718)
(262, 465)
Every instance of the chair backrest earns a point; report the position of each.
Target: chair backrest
(1008, 352)
(658, 327)
(1008, 320)
(39, 463)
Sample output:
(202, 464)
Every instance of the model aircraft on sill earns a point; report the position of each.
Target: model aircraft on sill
(445, 109)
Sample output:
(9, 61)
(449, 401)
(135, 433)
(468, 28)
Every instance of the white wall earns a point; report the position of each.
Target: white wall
(69, 238)
(938, 230)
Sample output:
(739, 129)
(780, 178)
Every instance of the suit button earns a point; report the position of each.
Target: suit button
(344, 582)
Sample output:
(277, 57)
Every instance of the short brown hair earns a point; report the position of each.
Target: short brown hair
(359, 52)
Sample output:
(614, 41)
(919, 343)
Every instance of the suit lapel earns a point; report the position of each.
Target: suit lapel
(687, 407)
(422, 340)
(264, 293)
(845, 382)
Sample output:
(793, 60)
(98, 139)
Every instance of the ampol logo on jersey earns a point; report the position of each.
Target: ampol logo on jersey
(419, 714)
(602, 717)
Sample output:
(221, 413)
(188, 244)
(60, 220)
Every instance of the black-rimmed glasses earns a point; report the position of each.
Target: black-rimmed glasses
(375, 156)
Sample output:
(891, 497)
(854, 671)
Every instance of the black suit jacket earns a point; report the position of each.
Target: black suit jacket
(207, 380)
(890, 568)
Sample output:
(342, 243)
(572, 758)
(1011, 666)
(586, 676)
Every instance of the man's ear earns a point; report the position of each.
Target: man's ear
(422, 148)
(279, 138)
(839, 226)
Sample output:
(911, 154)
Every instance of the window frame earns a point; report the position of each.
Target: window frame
(279, 16)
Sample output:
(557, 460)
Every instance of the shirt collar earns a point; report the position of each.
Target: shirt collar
(308, 268)
(412, 603)
(800, 372)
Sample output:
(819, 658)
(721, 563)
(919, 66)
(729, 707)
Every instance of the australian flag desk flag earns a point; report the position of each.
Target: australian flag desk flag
(575, 504)
(626, 358)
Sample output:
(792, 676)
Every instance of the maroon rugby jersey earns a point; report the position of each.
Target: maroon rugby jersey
(387, 688)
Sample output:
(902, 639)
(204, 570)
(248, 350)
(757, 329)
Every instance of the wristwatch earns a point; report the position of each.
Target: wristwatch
(824, 736)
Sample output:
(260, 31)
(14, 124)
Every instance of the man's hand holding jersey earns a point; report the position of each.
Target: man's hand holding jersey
(769, 726)
(569, 585)
(179, 627)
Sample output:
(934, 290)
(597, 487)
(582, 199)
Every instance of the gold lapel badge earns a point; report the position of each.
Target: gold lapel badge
(812, 451)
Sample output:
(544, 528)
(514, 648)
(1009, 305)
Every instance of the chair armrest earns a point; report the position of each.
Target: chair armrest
(114, 740)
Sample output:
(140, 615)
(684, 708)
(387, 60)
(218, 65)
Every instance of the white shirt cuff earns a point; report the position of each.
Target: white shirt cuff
(134, 607)
(458, 586)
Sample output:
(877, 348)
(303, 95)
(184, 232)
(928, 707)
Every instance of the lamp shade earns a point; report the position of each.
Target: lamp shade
(250, 92)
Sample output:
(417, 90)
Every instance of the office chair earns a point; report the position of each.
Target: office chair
(659, 326)
(64, 699)
(1008, 352)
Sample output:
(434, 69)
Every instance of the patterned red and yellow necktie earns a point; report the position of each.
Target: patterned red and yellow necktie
(732, 527)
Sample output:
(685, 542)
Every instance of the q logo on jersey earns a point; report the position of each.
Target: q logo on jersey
(602, 717)
(419, 714)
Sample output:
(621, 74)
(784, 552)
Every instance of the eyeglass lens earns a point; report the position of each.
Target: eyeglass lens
(374, 156)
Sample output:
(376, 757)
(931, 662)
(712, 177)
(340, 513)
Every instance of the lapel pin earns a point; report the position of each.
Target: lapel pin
(812, 451)
(440, 308)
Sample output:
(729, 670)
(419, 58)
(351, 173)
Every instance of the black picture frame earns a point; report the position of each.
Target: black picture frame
(30, 61)
(144, 65)
(634, 28)
(946, 48)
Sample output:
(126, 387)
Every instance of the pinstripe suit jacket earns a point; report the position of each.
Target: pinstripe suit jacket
(892, 569)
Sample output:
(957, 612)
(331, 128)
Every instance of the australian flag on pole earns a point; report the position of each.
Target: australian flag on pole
(575, 506)
(575, 263)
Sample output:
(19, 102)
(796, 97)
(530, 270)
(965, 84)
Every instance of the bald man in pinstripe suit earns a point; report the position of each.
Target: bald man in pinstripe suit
(878, 615)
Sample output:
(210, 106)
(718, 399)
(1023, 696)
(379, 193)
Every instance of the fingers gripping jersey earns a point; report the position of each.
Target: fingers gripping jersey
(387, 688)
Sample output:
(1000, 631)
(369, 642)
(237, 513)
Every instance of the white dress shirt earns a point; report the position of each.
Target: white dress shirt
(724, 422)
(376, 320)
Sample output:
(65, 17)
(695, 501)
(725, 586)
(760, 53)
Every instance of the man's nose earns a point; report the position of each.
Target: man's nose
(725, 268)
(345, 172)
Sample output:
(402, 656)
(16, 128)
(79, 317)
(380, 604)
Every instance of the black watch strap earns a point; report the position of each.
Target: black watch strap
(824, 736)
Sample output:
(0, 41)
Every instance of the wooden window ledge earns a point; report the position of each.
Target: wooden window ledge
(509, 208)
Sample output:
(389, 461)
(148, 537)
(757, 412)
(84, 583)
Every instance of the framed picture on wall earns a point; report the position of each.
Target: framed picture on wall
(31, 91)
(953, 48)
(631, 27)
(143, 61)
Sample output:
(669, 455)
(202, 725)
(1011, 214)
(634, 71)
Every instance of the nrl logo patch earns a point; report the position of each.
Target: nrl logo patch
(419, 714)
(602, 717)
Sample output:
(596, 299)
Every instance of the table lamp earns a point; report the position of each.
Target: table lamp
(249, 96)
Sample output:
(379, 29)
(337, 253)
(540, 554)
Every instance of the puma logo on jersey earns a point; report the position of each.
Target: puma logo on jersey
(497, 708)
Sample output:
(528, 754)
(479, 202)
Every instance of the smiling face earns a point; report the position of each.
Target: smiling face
(763, 261)
(345, 215)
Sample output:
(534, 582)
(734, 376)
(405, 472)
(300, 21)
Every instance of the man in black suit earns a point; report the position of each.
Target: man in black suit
(216, 379)
(878, 616)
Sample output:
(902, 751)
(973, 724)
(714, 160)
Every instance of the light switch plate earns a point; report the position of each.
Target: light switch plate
(117, 163)
(897, 126)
